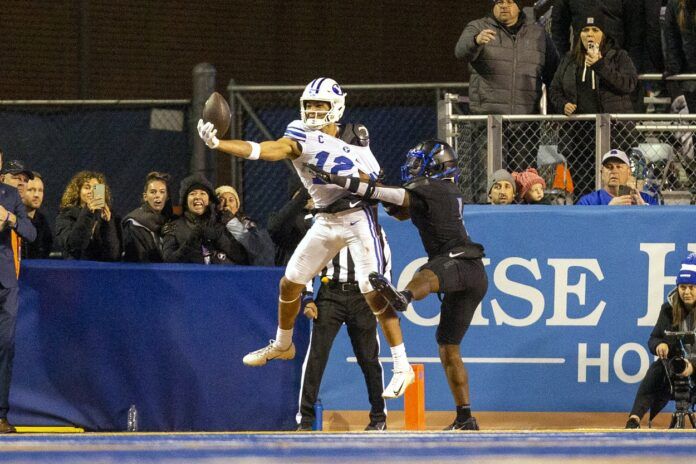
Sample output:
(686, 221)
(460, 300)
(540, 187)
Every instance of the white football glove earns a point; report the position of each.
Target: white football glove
(207, 132)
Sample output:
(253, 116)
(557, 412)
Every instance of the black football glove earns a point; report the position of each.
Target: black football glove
(318, 173)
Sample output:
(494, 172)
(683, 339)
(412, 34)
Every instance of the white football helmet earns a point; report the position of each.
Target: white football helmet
(325, 90)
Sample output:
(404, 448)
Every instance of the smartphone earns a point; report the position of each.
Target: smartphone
(99, 192)
(625, 190)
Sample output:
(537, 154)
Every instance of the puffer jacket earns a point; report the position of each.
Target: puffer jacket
(507, 72)
(615, 79)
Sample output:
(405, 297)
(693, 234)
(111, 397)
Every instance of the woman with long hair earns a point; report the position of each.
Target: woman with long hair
(85, 226)
(594, 77)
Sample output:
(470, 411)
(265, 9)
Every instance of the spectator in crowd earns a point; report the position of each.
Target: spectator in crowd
(594, 77)
(625, 24)
(85, 227)
(653, 52)
(197, 237)
(680, 40)
(33, 199)
(142, 227)
(502, 188)
(616, 172)
(339, 302)
(676, 314)
(288, 225)
(530, 187)
(15, 174)
(15, 227)
(255, 240)
(509, 58)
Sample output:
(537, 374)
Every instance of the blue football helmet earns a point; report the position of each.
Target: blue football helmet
(434, 159)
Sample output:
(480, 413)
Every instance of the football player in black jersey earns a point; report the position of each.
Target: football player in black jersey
(433, 202)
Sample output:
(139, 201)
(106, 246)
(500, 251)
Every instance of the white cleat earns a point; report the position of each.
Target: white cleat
(268, 353)
(399, 383)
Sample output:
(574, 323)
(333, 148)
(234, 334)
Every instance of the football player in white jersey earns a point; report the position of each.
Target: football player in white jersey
(341, 219)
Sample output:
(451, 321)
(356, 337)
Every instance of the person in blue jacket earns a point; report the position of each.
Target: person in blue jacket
(616, 171)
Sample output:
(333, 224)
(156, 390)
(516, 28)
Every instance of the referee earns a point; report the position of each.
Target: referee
(339, 302)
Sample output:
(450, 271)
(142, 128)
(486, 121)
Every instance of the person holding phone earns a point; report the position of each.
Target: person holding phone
(615, 191)
(85, 226)
(594, 77)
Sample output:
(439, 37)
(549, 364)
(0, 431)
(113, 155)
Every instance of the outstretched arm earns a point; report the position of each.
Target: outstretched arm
(368, 189)
(271, 150)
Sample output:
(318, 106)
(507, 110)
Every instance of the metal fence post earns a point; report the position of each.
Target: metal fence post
(602, 144)
(495, 144)
(203, 86)
(444, 119)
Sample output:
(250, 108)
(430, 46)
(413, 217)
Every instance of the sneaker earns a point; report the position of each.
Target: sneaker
(270, 352)
(395, 298)
(469, 424)
(632, 423)
(376, 425)
(304, 428)
(398, 383)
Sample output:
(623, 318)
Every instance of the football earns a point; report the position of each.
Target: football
(217, 111)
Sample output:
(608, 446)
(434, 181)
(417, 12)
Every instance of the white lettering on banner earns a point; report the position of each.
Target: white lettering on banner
(657, 280)
(522, 291)
(602, 362)
(478, 318)
(562, 289)
(618, 362)
(410, 313)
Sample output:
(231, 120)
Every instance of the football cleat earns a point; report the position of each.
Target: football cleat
(268, 353)
(395, 298)
(399, 383)
(469, 424)
(632, 423)
(379, 426)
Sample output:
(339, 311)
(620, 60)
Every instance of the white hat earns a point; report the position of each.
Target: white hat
(618, 154)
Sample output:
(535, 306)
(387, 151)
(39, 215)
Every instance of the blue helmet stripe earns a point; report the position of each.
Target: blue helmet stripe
(321, 80)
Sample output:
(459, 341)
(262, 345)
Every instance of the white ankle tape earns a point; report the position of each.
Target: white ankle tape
(291, 301)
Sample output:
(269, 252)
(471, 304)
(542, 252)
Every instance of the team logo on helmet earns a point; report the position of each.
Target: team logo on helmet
(327, 90)
(337, 89)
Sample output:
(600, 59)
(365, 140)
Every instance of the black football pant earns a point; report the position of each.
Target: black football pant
(336, 307)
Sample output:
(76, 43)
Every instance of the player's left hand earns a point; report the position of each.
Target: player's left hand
(689, 369)
(207, 132)
(311, 310)
(318, 173)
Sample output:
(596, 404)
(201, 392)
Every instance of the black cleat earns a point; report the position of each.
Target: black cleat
(395, 298)
(632, 423)
(469, 424)
(376, 425)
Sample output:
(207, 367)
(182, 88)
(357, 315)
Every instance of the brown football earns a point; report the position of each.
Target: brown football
(217, 111)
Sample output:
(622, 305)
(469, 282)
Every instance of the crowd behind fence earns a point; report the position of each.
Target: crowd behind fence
(127, 139)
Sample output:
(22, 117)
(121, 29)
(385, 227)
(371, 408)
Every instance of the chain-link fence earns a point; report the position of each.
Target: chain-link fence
(124, 140)
(397, 116)
(566, 151)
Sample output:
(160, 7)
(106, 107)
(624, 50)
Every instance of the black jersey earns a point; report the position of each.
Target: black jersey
(436, 210)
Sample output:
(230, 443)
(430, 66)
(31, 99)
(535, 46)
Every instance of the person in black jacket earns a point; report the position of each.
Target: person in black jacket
(677, 314)
(431, 199)
(142, 227)
(197, 237)
(680, 42)
(33, 199)
(85, 226)
(256, 241)
(625, 24)
(594, 77)
(290, 223)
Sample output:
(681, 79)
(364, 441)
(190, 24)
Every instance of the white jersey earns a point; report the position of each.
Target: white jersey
(329, 154)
